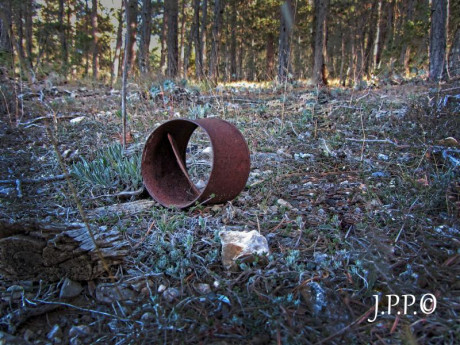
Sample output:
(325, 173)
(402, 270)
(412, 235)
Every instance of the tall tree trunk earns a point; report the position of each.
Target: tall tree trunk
(215, 42)
(319, 70)
(115, 72)
(286, 26)
(188, 49)
(270, 56)
(6, 47)
(405, 48)
(95, 39)
(28, 31)
(438, 35)
(204, 35)
(378, 36)
(454, 56)
(233, 30)
(171, 8)
(87, 22)
(197, 40)
(63, 38)
(342, 55)
(164, 34)
(181, 36)
(131, 16)
(251, 62)
(146, 32)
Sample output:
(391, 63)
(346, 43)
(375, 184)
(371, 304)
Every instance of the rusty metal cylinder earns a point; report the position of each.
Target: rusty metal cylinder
(164, 163)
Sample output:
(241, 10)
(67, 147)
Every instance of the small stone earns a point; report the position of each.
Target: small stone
(77, 120)
(79, 331)
(148, 316)
(284, 203)
(203, 288)
(382, 157)
(241, 244)
(208, 150)
(170, 294)
(216, 208)
(200, 184)
(161, 288)
(109, 293)
(55, 334)
(70, 289)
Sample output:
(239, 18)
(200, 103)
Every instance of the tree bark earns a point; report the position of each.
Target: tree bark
(286, 23)
(438, 35)
(28, 31)
(197, 40)
(270, 56)
(181, 37)
(131, 16)
(146, 32)
(215, 42)
(454, 56)
(163, 36)
(95, 39)
(116, 59)
(204, 35)
(33, 251)
(171, 9)
(63, 38)
(405, 48)
(233, 30)
(319, 70)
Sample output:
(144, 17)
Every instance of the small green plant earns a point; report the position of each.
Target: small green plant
(110, 169)
(199, 111)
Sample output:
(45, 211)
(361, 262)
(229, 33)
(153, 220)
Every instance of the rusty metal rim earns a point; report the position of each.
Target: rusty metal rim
(205, 195)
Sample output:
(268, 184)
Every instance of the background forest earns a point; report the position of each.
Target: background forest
(346, 41)
(350, 111)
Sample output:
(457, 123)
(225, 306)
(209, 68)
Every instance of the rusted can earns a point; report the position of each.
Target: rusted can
(164, 163)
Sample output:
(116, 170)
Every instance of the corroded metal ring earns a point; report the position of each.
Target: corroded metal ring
(164, 163)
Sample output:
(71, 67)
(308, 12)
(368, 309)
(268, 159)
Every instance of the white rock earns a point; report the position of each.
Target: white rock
(77, 120)
(171, 294)
(70, 288)
(55, 333)
(208, 150)
(79, 331)
(200, 184)
(161, 288)
(239, 244)
(203, 288)
(284, 203)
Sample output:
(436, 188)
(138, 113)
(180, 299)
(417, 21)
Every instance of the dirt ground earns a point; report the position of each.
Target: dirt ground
(356, 191)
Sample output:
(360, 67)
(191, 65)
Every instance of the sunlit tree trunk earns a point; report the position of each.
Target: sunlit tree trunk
(164, 33)
(95, 40)
(270, 55)
(63, 38)
(116, 59)
(438, 34)
(204, 35)
(319, 68)
(233, 30)
(183, 18)
(378, 36)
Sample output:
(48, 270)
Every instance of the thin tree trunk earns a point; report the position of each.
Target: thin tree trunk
(87, 21)
(197, 40)
(378, 36)
(28, 31)
(164, 33)
(215, 42)
(131, 15)
(438, 34)
(172, 7)
(233, 30)
(454, 56)
(319, 70)
(146, 32)
(116, 59)
(405, 48)
(181, 36)
(270, 56)
(204, 34)
(286, 23)
(95, 39)
(342, 77)
(63, 38)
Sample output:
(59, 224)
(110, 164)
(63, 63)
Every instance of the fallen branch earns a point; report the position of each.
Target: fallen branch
(379, 141)
(34, 180)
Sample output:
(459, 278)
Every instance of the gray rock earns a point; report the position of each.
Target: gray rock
(70, 289)
(55, 334)
(148, 316)
(170, 294)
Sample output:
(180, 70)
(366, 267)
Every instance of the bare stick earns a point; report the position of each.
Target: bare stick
(181, 164)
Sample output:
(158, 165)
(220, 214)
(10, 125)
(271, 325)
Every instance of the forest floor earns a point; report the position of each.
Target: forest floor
(357, 193)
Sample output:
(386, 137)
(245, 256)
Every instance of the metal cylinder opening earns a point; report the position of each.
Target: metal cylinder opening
(164, 163)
